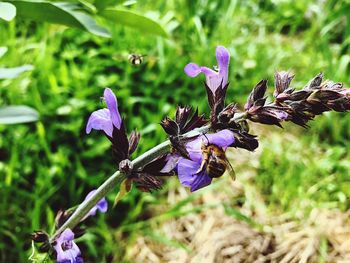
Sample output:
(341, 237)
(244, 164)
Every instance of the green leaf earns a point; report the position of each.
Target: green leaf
(17, 114)
(10, 73)
(7, 11)
(59, 13)
(139, 22)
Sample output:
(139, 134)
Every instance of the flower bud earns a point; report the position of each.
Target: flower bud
(39, 236)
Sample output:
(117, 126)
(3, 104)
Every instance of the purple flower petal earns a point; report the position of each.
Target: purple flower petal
(209, 73)
(171, 162)
(222, 139)
(111, 101)
(105, 119)
(200, 181)
(100, 120)
(67, 235)
(67, 250)
(192, 70)
(213, 79)
(223, 58)
(187, 175)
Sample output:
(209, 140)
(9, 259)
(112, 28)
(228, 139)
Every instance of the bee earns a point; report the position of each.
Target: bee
(215, 162)
(135, 59)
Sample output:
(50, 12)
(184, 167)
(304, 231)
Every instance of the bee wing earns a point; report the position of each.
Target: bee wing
(230, 170)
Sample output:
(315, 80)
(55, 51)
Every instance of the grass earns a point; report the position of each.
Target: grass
(52, 164)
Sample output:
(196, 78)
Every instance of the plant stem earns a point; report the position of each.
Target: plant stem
(117, 178)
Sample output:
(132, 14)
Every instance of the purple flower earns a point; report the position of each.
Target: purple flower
(67, 250)
(105, 119)
(213, 78)
(187, 169)
(101, 206)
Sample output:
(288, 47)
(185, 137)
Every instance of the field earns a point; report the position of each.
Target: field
(290, 202)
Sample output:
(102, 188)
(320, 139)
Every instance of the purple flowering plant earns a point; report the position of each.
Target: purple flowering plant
(195, 151)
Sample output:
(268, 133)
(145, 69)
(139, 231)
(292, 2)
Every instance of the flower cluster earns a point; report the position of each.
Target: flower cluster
(198, 145)
(297, 106)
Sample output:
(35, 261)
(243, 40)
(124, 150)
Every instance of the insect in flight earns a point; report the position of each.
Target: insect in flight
(136, 59)
(214, 161)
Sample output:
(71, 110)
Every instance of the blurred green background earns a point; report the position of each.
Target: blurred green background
(53, 164)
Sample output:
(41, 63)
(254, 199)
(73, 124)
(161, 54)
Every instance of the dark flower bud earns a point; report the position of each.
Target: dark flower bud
(315, 83)
(228, 113)
(170, 126)
(220, 95)
(146, 182)
(79, 231)
(342, 104)
(134, 141)
(45, 247)
(256, 97)
(282, 82)
(61, 217)
(245, 140)
(298, 95)
(196, 121)
(156, 166)
(178, 145)
(216, 100)
(326, 95)
(125, 166)
(332, 85)
(120, 144)
(39, 236)
(182, 115)
(146, 179)
(210, 95)
(185, 120)
(282, 97)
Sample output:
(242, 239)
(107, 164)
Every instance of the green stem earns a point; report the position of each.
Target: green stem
(116, 179)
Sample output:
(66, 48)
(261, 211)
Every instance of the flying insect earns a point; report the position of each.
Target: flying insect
(135, 59)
